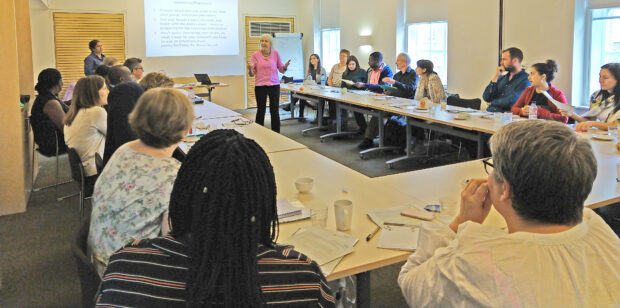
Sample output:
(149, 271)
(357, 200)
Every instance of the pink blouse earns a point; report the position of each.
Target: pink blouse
(266, 70)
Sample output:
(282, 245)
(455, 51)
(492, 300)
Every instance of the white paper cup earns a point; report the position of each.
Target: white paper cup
(343, 210)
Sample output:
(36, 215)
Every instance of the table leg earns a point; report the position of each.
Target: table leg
(480, 145)
(363, 289)
(210, 90)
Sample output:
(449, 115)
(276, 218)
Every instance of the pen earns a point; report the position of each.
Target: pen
(398, 224)
(372, 233)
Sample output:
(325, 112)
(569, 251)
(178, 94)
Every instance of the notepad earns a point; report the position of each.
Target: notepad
(399, 238)
(286, 209)
(392, 215)
(303, 214)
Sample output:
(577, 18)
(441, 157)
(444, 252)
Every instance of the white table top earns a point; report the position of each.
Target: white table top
(209, 110)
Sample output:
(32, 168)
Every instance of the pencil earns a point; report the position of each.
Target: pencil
(372, 234)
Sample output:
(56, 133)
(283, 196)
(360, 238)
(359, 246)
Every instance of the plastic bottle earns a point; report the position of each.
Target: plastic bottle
(190, 93)
(323, 79)
(533, 111)
(309, 79)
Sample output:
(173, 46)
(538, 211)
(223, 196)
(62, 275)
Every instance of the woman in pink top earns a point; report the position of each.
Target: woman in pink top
(265, 64)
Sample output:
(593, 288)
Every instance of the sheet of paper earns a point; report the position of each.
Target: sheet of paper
(349, 82)
(392, 215)
(559, 105)
(320, 244)
(400, 238)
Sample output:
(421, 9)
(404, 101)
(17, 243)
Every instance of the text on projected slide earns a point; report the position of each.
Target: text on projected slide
(191, 27)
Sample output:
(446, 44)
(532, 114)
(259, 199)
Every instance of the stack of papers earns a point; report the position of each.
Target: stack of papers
(291, 211)
(326, 247)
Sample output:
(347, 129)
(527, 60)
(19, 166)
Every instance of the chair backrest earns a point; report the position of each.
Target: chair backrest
(178, 154)
(77, 169)
(466, 103)
(89, 278)
(98, 163)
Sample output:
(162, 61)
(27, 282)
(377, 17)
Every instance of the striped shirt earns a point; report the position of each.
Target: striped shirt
(152, 273)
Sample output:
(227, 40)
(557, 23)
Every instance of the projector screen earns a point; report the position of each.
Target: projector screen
(191, 27)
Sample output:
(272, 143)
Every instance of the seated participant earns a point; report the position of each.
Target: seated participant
(156, 80)
(121, 101)
(86, 124)
(47, 113)
(405, 81)
(118, 74)
(541, 74)
(429, 85)
(554, 252)
(335, 76)
(111, 61)
(225, 189)
(376, 72)
(133, 191)
(604, 103)
(315, 70)
(504, 90)
(353, 73)
(135, 67)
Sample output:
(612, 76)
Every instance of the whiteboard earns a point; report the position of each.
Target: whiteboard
(289, 46)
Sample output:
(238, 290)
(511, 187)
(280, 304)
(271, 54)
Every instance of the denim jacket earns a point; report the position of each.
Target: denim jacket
(504, 93)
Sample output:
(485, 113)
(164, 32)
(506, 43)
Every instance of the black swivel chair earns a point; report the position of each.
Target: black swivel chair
(89, 278)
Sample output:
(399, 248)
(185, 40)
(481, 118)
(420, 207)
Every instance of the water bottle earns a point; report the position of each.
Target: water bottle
(533, 111)
(309, 79)
(323, 79)
(190, 93)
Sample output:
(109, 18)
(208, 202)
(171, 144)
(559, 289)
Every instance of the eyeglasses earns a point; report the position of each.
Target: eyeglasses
(487, 164)
(140, 68)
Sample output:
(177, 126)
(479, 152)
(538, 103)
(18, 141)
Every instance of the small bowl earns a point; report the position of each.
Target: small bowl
(304, 185)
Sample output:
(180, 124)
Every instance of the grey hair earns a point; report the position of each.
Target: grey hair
(549, 168)
(407, 57)
(269, 37)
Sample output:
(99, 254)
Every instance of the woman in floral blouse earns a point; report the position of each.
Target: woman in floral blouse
(132, 193)
(429, 84)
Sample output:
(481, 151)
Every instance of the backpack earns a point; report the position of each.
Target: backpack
(395, 131)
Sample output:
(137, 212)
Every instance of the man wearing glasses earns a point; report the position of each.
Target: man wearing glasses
(136, 68)
(553, 252)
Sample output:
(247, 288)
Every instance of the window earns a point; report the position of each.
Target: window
(331, 48)
(604, 42)
(429, 40)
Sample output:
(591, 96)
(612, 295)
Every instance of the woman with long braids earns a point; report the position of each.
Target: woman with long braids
(221, 250)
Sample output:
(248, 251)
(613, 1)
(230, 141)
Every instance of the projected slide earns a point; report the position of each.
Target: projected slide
(191, 27)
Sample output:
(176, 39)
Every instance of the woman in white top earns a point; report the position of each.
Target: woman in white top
(335, 76)
(133, 191)
(86, 123)
(604, 103)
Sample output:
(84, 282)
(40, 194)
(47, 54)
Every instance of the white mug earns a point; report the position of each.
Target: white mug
(344, 214)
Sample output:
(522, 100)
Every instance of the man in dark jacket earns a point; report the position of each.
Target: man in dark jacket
(377, 71)
(504, 90)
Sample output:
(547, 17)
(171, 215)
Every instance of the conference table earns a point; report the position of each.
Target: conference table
(446, 121)
(333, 181)
(209, 87)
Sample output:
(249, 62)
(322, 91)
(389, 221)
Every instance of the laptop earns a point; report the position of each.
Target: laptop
(204, 79)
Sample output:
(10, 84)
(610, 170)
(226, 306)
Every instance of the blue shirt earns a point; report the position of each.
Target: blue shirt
(504, 93)
(91, 63)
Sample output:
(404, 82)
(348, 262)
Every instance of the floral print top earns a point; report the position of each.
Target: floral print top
(602, 109)
(131, 195)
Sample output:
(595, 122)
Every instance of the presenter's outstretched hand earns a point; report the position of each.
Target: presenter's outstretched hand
(286, 64)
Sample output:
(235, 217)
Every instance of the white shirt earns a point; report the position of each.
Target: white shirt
(87, 136)
(482, 266)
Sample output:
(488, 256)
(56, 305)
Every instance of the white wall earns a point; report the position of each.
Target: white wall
(43, 47)
(379, 19)
(541, 36)
(599, 4)
(473, 28)
(427, 10)
(330, 13)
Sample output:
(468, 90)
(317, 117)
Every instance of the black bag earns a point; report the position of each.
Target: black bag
(396, 131)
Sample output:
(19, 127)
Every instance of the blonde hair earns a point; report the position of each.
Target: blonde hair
(110, 61)
(269, 37)
(156, 80)
(161, 117)
(85, 95)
